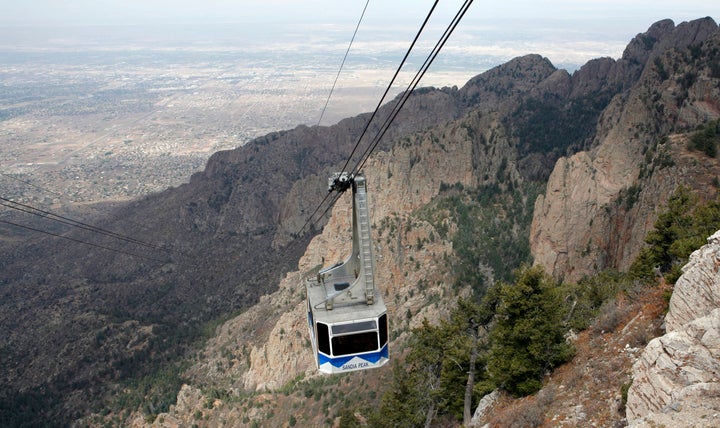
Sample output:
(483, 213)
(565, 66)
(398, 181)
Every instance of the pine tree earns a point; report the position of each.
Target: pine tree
(414, 396)
(528, 338)
(678, 231)
(465, 355)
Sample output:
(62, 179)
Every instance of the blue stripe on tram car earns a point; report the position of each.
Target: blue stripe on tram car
(353, 362)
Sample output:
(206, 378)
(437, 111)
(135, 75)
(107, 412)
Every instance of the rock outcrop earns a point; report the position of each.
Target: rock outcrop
(509, 136)
(676, 381)
(267, 347)
(697, 291)
(223, 240)
(234, 226)
(600, 203)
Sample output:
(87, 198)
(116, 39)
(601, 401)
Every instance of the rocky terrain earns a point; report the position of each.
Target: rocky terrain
(676, 381)
(279, 354)
(587, 391)
(608, 143)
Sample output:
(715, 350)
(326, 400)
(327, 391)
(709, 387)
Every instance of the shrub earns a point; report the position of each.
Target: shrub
(624, 396)
(706, 139)
(610, 316)
(526, 415)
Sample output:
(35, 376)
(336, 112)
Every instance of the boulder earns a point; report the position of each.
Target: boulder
(676, 380)
(697, 291)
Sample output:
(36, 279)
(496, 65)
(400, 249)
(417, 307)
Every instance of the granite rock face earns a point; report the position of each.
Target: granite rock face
(677, 377)
(697, 292)
(601, 202)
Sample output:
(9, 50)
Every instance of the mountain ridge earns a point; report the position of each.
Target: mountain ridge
(264, 374)
(231, 228)
(627, 151)
(219, 229)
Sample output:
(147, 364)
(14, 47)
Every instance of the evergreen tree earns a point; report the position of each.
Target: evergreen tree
(678, 231)
(464, 357)
(706, 139)
(528, 338)
(440, 372)
(668, 228)
(413, 398)
(399, 406)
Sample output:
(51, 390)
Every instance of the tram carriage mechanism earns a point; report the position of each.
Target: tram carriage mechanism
(346, 313)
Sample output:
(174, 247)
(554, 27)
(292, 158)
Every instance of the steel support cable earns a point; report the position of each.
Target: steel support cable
(336, 196)
(411, 86)
(322, 114)
(57, 235)
(398, 106)
(377, 108)
(308, 221)
(74, 223)
(332, 89)
(392, 81)
(31, 184)
(343, 62)
(48, 217)
(416, 80)
(145, 227)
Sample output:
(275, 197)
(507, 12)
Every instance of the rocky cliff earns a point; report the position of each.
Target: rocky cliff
(600, 202)
(479, 149)
(676, 381)
(221, 242)
(230, 235)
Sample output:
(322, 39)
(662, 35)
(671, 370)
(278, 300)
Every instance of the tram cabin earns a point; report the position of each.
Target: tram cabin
(346, 313)
(347, 337)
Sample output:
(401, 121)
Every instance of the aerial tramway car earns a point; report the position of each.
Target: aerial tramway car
(346, 313)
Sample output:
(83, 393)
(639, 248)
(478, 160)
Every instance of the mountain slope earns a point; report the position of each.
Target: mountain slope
(77, 320)
(502, 144)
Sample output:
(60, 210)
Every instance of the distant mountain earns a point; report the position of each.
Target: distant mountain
(79, 323)
(601, 202)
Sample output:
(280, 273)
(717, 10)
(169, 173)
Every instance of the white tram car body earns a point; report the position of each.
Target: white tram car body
(347, 317)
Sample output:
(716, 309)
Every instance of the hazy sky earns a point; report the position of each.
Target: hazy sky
(567, 32)
(334, 11)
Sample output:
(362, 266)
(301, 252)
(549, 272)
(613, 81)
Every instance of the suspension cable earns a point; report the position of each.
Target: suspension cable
(57, 235)
(413, 84)
(12, 177)
(36, 211)
(70, 222)
(392, 81)
(326, 104)
(343, 62)
(399, 105)
(377, 108)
